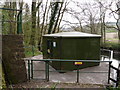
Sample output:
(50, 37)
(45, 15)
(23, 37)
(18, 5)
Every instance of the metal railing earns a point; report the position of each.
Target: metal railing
(110, 56)
(47, 63)
(116, 81)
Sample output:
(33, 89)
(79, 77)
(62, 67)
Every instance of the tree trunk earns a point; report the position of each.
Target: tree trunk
(104, 33)
(42, 29)
(118, 20)
(119, 35)
(61, 17)
(56, 23)
(54, 10)
(33, 28)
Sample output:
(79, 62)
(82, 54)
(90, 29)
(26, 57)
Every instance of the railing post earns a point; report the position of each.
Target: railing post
(111, 54)
(2, 23)
(109, 72)
(118, 77)
(33, 51)
(29, 70)
(77, 73)
(19, 22)
(32, 69)
(47, 70)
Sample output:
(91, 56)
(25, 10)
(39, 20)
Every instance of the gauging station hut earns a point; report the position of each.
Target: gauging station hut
(71, 46)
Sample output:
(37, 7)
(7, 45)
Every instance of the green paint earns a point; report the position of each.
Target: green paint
(31, 69)
(19, 19)
(10, 9)
(19, 23)
(28, 69)
(47, 70)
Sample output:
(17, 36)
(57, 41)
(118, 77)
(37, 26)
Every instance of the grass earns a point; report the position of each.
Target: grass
(110, 30)
(31, 51)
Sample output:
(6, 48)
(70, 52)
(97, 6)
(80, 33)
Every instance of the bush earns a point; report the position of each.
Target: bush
(111, 45)
(31, 51)
(2, 81)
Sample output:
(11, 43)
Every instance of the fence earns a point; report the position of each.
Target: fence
(117, 76)
(19, 19)
(110, 56)
(47, 63)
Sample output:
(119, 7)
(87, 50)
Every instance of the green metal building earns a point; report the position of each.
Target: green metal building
(71, 45)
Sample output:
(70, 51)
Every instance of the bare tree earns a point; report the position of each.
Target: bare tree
(27, 24)
(87, 14)
(118, 20)
(42, 28)
(58, 16)
(102, 20)
(34, 10)
(61, 16)
(33, 29)
(50, 20)
(54, 10)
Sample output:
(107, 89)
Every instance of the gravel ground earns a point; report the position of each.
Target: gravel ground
(44, 84)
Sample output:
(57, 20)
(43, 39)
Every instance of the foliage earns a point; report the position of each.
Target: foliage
(54, 86)
(112, 45)
(2, 82)
(31, 51)
(113, 88)
(34, 26)
(9, 25)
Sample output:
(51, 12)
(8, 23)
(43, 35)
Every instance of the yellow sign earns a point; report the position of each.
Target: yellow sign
(78, 63)
(48, 50)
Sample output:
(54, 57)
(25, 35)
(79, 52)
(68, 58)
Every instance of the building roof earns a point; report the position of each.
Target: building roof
(72, 34)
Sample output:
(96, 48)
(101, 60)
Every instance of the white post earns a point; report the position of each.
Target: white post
(111, 54)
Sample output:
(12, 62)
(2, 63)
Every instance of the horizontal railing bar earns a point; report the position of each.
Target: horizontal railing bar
(74, 71)
(38, 78)
(106, 50)
(11, 9)
(104, 56)
(8, 21)
(114, 68)
(113, 80)
(64, 60)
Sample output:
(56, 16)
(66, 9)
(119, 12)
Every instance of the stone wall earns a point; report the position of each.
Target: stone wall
(12, 54)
